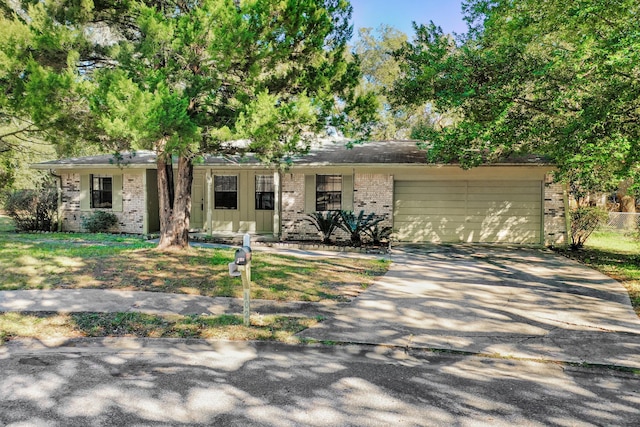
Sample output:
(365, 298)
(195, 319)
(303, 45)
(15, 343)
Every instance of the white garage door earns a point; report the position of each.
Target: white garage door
(468, 211)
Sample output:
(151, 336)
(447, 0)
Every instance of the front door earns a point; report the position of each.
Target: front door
(197, 201)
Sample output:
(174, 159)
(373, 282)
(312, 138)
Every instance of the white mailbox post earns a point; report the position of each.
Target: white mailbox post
(241, 266)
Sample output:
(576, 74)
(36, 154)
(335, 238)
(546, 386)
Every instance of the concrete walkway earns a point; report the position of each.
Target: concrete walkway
(512, 302)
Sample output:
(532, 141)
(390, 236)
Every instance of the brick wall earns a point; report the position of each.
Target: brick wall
(70, 208)
(555, 224)
(371, 193)
(133, 206)
(374, 193)
(294, 223)
(131, 219)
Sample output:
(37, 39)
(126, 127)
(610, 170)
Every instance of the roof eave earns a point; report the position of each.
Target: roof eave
(41, 166)
(415, 165)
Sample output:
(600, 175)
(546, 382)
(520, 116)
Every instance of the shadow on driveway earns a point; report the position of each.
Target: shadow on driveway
(515, 302)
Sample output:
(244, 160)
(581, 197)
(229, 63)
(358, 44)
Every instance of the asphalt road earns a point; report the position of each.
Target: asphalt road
(176, 382)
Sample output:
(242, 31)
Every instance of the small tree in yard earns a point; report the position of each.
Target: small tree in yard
(584, 220)
(33, 210)
(325, 223)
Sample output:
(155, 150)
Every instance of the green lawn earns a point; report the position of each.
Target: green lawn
(617, 255)
(103, 261)
(619, 242)
(73, 261)
(5, 223)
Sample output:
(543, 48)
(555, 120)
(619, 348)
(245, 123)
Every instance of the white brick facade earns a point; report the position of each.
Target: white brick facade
(294, 224)
(374, 193)
(130, 220)
(70, 214)
(133, 204)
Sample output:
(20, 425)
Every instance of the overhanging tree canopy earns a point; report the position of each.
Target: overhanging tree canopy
(182, 78)
(380, 69)
(556, 78)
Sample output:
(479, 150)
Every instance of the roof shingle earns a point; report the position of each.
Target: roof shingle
(328, 153)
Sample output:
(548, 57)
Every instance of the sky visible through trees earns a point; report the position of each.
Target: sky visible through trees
(399, 14)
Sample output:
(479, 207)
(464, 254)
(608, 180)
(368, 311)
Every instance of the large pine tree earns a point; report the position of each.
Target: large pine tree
(183, 78)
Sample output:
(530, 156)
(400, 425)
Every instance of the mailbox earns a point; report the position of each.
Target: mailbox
(243, 255)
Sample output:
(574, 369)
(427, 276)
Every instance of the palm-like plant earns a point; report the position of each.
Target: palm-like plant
(325, 223)
(378, 234)
(357, 225)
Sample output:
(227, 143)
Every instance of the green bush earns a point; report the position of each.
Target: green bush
(100, 222)
(33, 210)
(325, 223)
(584, 221)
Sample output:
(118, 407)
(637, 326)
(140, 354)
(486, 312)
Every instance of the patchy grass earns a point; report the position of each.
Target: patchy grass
(54, 325)
(102, 261)
(6, 224)
(618, 256)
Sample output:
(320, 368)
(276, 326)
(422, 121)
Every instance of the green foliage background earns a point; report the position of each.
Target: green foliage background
(554, 78)
(128, 74)
(182, 78)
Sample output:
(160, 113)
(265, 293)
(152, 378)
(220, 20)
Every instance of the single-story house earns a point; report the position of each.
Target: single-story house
(514, 201)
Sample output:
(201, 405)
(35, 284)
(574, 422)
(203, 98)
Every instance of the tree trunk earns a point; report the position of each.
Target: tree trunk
(627, 205)
(627, 202)
(171, 186)
(165, 202)
(175, 213)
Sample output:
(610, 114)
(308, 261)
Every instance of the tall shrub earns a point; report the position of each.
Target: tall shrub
(584, 220)
(33, 210)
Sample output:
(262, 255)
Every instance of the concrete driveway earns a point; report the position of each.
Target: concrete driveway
(515, 302)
